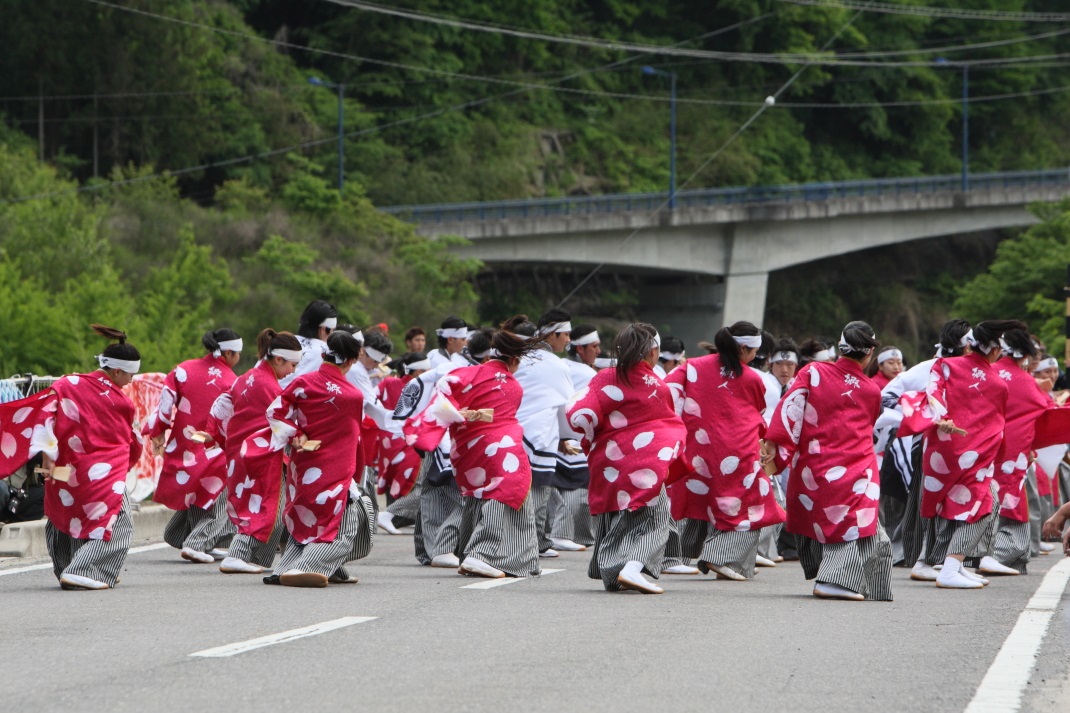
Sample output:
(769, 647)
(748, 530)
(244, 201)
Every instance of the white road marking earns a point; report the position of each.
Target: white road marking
(492, 583)
(48, 565)
(148, 548)
(1001, 689)
(30, 568)
(282, 637)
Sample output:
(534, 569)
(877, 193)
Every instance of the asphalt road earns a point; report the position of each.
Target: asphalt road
(554, 643)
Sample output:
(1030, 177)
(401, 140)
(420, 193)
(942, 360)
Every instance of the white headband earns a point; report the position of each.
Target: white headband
(453, 332)
(231, 345)
(1009, 350)
(753, 342)
(670, 356)
(784, 356)
(846, 348)
(1049, 363)
(374, 354)
(826, 355)
(422, 365)
(130, 367)
(889, 354)
(482, 355)
(337, 358)
(555, 328)
(969, 339)
(330, 323)
(655, 343)
(604, 363)
(586, 339)
(287, 354)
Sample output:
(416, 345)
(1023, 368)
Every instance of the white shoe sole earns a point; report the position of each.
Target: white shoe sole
(191, 556)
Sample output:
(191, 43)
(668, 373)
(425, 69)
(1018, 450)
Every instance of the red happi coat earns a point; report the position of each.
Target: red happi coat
(725, 483)
(957, 469)
(321, 405)
(84, 421)
(632, 437)
(253, 487)
(399, 463)
(1025, 403)
(192, 476)
(823, 428)
(488, 459)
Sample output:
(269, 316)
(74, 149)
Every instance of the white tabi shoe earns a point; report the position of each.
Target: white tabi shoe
(447, 560)
(1046, 548)
(631, 577)
(563, 545)
(297, 578)
(952, 577)
(219, 553)
(680, 569)
(192, 555)
(233, 565)
(990, 565)
(77, 581)
(824, 590)
(975, 577)
(386, 521)
(723, 572)
(760, 561)
(549, 554)
(479, 568)
(922, 572)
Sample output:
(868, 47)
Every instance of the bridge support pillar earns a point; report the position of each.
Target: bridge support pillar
(685, 308)
(744, 298)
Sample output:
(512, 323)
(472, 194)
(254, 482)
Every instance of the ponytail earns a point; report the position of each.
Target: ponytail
(728, 348)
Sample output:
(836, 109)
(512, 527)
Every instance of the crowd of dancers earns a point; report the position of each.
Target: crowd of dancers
(500, 453)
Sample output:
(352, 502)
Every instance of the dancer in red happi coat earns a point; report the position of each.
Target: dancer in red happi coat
(962, 414)
(632, 435)
(83, 427)
(328, 520)
(194, 473)
(822, 429)
(721, 403)
(253, 487)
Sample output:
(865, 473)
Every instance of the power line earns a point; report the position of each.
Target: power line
(319, 142)
(597, 43)
(769, 101)
(941, 12)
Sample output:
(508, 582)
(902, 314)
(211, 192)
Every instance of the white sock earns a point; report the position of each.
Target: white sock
(633, 569)
(951, 565)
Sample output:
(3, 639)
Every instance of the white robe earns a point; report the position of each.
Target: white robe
(547, 384)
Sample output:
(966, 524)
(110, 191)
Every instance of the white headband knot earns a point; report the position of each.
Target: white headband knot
(846, 348)
(330, 323)
(671, 356)
(655, 343)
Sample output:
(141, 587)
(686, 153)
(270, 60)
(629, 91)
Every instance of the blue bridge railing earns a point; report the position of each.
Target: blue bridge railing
(702, 197)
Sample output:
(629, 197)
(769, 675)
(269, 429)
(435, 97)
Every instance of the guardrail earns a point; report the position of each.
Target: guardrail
(704, 197)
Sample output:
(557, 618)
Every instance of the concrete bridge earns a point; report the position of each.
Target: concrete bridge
(733, 237)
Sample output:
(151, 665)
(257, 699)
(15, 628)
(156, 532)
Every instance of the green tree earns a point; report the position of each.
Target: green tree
(1027, 278)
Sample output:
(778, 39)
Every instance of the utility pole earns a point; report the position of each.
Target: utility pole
(41, 120)
(1066, 347)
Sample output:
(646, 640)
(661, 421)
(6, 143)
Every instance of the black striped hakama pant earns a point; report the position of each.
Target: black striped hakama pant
(572, 517)
(327, 558)
(729, 548)
(95, 559)
(863, 565)
(1010, 543)
(630, 536)
(496, 534)
(437, 529)
(200, 529)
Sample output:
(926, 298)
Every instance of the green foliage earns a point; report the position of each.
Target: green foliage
(1026, 279)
